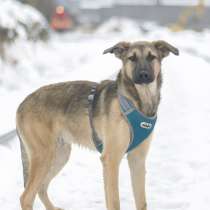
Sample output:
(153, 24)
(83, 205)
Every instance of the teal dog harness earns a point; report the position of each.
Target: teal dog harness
(140, 125)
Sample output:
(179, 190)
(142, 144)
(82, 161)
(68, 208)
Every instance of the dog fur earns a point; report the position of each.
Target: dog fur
(54, 117)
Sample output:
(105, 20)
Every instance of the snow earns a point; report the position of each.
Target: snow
(21, 18)
(178, 169)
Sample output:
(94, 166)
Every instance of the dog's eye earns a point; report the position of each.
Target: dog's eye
(132, 57)
(151, 57)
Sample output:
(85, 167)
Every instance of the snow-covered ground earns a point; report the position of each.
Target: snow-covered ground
(178, 169)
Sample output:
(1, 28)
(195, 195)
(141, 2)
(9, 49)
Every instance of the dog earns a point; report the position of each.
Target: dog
(56, 116)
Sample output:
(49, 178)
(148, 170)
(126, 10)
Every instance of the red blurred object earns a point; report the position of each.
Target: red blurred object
(61, 20)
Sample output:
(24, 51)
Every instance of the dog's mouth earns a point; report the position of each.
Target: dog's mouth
(145, 82)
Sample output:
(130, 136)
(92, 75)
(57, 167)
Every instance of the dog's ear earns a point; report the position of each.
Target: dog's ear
(164, 48)
(119, 50)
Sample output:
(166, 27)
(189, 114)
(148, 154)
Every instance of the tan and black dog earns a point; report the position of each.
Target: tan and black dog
(56, 116)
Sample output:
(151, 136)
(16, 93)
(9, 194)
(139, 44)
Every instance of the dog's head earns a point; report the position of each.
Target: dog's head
(142, 60)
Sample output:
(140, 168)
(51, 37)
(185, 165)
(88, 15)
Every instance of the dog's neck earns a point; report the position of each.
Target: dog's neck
(145, 97)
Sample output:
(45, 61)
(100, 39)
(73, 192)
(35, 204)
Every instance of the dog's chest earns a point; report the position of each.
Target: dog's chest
(149, 99)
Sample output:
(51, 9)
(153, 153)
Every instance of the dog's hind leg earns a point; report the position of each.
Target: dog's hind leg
(39, 146)
(25, 163)
(39, 166)
(61, 157)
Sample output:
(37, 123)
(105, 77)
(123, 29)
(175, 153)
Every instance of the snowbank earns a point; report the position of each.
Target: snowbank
(122, 26)
(23, 20)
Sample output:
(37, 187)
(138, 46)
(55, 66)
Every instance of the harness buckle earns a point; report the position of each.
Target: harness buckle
(90, 97)
(92, 94)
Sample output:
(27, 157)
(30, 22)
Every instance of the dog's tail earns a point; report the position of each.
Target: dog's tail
(25, 161)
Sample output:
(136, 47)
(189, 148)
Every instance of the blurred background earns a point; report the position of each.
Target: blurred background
(48, 41)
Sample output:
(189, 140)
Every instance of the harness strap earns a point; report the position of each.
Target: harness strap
(96, 140)
(125, 105)
(140, 125)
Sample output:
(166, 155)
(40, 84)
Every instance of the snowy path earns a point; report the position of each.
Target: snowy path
(178, 169)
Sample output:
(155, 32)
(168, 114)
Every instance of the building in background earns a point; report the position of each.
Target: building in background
(178, 14)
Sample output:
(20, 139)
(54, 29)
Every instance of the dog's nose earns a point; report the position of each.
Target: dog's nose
(144, 77)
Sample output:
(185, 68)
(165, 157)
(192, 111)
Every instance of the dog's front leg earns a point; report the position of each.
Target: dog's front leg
(111, 159)
(136, 161)
(111, 174)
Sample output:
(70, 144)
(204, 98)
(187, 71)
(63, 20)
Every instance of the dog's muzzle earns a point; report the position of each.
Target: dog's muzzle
(143, 77)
